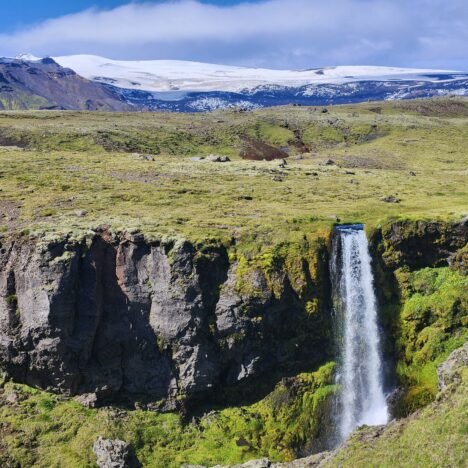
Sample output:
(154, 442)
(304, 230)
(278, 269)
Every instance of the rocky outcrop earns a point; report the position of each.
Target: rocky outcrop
(419, 244)
(313, 461)
(114, 454)
(44, 84)
(116, 317)
(448, 372)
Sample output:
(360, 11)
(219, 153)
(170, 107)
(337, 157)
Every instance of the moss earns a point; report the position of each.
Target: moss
(12, 301)
(323, 133)
(48, 212)
(297, 262)
(46, 430)
(65, 258)
(460, 261)
(432, 323)
(272, 133)
(69, 157)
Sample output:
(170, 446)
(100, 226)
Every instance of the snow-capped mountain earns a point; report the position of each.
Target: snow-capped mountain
(198, 87)
(172, 75)
(193, 86)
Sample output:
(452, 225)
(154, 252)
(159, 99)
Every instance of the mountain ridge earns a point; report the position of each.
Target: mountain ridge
(85, 82)
(189, 76)
(44, 84)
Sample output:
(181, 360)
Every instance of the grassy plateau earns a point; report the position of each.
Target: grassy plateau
(64, 172)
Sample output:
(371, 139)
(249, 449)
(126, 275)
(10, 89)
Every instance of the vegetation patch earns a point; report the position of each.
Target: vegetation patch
(433, 436)
(44, 430)
(432, 323)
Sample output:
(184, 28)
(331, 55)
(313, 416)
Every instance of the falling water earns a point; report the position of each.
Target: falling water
(362, 400)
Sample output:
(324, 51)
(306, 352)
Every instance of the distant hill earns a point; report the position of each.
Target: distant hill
(44, 84)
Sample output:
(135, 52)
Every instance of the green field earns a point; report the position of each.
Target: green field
(66, 172)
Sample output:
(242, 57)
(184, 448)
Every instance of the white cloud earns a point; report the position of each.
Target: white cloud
(281, 33)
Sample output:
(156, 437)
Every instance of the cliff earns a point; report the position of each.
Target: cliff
(178, 325)
(157, 322)
(162, 322)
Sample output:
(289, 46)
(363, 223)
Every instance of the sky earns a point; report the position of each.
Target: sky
(264, 33)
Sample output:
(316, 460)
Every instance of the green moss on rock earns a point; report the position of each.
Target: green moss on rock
(432, 323)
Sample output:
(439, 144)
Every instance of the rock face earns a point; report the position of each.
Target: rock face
(412, 245)
(419, 244)
(119, 318)
(114, 454)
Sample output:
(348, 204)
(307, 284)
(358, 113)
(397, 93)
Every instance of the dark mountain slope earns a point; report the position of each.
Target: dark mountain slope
(45, 84)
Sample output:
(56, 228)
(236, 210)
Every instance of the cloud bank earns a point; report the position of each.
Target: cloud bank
(273, 33)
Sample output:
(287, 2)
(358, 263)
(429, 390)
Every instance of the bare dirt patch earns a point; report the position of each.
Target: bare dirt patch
(9, 214)
(256, 150)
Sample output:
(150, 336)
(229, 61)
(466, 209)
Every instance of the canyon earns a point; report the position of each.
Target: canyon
(165, 295)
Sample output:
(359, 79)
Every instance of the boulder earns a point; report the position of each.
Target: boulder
(114, 454)
(143, 157)
(390, 199)
(90, 400)
(448, 372)
(216, 158)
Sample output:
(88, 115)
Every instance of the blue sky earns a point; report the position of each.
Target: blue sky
(267, 33)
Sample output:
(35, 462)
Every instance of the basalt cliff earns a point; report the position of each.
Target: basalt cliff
(166, 323)
(126, 319)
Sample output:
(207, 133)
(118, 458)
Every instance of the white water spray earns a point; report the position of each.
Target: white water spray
(362, 400)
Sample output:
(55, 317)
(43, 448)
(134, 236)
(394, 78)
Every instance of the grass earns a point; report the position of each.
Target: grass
(432, 323)
(44, 430)
(435, 436)
(74, 162)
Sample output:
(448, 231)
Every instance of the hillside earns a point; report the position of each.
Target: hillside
(43, 84)
(57, 162)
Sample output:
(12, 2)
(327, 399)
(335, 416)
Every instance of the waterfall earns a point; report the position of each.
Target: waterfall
(361, 399)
